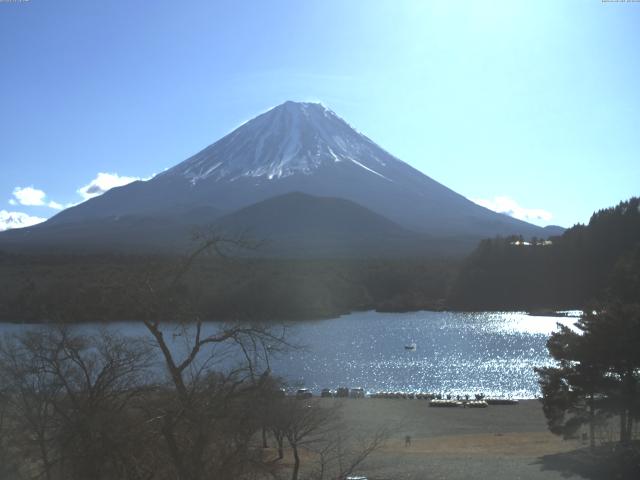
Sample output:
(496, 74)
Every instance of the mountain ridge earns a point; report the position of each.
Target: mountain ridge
(299, 147)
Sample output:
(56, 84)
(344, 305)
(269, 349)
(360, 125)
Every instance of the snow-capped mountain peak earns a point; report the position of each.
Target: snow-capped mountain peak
(290, 139)
(297, 148)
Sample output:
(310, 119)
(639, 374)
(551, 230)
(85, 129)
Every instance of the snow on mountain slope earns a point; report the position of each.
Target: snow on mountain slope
(307, 148)
(293, 138)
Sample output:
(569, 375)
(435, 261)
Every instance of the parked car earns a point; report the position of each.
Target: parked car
(357, 393)
(343, 392)
(327, 393)
(304, 393)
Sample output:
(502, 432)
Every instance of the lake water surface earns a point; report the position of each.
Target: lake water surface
(455, 352)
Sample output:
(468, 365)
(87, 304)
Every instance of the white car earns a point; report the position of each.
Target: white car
(304, 393)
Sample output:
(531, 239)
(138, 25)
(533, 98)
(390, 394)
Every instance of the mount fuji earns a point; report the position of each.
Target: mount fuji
(301, 148)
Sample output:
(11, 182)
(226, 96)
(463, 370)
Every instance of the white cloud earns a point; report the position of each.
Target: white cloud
(32, 197)
(17, 220)
(104, 182)
(510, 207)
(29, 196)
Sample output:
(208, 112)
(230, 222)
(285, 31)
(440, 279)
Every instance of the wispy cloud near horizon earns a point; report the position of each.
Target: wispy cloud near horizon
(508, 206)
(104, 182)
(33, 197)
(9, 220)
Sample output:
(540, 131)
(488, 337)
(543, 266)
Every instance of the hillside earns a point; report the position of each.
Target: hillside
(505, 273)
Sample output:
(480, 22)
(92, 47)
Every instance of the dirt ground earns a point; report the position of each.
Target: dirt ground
(497, 442)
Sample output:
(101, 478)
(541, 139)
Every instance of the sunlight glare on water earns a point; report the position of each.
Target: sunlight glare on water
(457, 353)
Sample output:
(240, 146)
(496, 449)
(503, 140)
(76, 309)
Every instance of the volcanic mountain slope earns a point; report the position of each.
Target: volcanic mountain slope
(293, 225)
(301, 225)
(295, 147)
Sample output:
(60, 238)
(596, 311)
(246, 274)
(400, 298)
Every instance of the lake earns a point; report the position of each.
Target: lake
(455, 352)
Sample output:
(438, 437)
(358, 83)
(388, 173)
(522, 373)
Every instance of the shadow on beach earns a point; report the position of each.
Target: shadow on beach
(606, 462)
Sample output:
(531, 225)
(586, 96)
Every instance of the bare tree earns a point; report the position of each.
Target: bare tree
(316, 427)
(7, 464)
(30, 396)
(78, 407)
(204, 429)
(69, 401)
(341, 453)
(304, 423)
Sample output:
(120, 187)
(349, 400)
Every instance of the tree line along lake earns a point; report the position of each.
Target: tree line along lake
(455, 352)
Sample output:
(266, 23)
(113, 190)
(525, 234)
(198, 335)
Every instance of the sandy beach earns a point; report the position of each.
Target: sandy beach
(498, 442)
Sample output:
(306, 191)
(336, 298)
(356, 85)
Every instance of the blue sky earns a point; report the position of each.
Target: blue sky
(529, 107)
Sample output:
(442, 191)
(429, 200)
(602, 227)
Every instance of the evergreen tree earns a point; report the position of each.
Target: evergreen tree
(598, 371)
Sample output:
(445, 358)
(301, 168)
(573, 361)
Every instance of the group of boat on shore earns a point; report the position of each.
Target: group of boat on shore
(440, 400)
(479, 400)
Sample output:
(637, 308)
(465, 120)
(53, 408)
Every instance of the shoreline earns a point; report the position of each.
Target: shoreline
(561, 312)
(367, 350)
